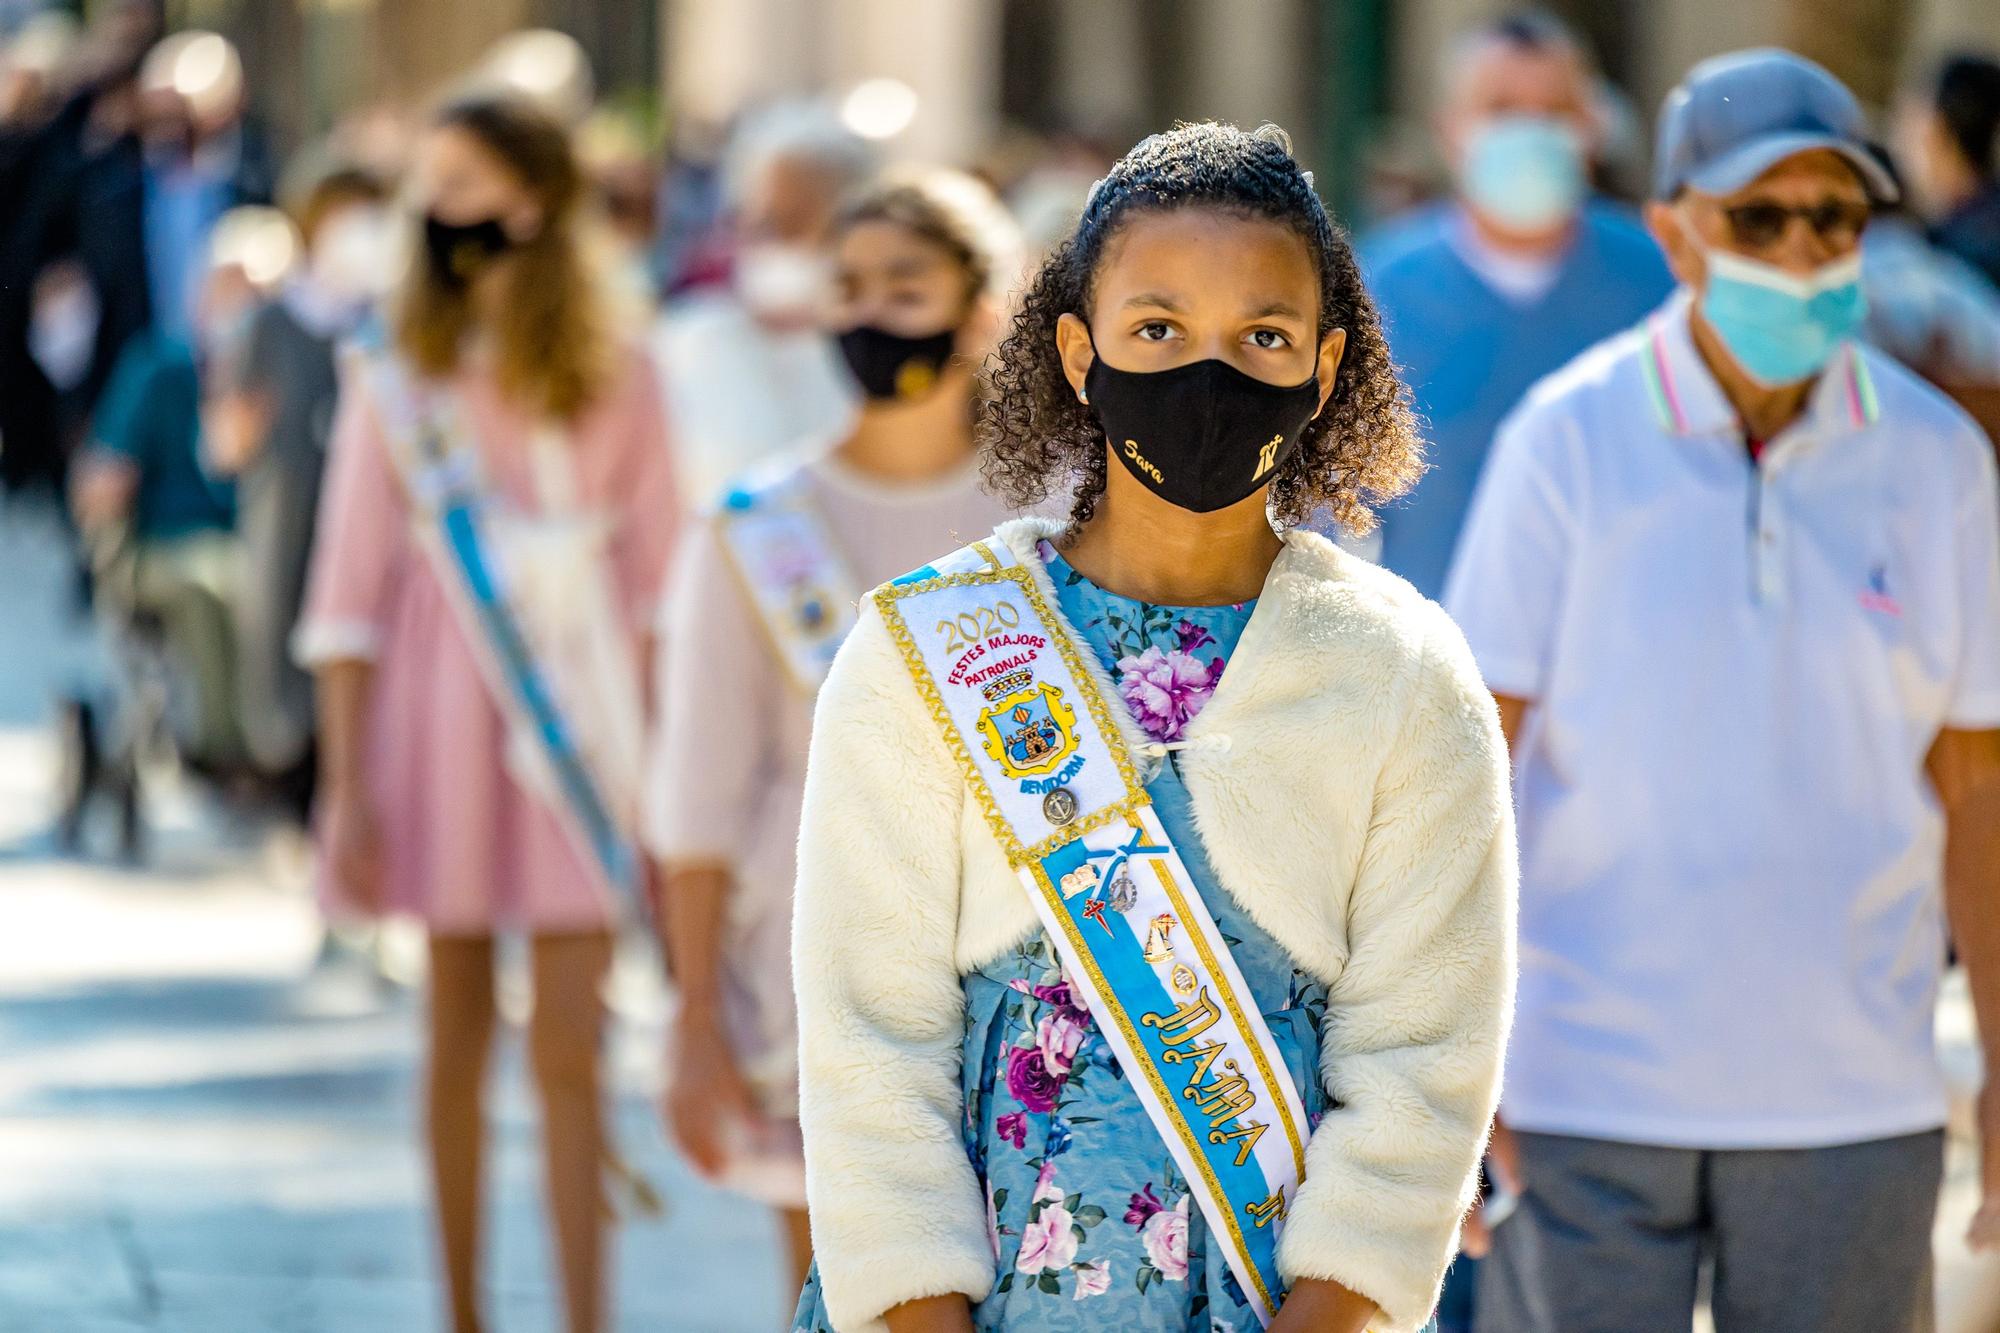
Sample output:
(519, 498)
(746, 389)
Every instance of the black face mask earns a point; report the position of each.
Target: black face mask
(461, 251)
(890, 367)
(1200, 436)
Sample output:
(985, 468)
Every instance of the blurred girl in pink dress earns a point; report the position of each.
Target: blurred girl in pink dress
(504, 380)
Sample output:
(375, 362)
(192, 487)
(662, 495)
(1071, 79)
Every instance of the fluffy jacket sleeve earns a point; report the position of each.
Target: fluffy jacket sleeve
(1416, 1021)
(897, 1212)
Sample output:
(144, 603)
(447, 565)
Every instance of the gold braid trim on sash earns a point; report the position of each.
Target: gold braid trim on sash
(1018, 856)
(1150, 1067)
(1230, 1001)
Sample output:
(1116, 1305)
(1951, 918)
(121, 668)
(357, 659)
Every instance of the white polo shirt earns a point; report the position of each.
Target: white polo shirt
(1732, 920)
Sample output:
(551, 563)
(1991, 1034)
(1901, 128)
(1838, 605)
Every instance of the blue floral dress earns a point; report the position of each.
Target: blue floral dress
(1091, 1223)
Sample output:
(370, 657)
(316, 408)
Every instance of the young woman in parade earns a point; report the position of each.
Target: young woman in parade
(763, 593)
(1154, 924)
(493, 534)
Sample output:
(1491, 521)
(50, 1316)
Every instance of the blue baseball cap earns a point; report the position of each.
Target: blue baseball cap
(1735, 116)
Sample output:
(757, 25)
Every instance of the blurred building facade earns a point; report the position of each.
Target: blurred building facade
(309, 62)
(1354, 80)
(1345, 76)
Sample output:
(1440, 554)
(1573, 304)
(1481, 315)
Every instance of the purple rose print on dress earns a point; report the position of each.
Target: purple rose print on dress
(1033, 1084)
(1144, 1204)
(1165, 690)
(1013, 1127)
(1192, 636)
(1063, 997)
(1058, 994)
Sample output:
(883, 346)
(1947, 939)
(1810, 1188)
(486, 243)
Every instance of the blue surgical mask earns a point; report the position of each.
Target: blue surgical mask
(1781, 328)
(1524, 172)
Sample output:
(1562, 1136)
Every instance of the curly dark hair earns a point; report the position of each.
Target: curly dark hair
(1360, 451)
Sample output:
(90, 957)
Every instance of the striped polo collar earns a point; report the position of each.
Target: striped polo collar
(1687, 400)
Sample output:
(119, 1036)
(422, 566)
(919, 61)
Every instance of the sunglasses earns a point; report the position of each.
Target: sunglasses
(1838, 222)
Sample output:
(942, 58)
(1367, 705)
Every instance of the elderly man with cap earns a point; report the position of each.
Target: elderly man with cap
(1735, 579)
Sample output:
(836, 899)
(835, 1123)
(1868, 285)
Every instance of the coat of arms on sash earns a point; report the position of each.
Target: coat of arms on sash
(1028, 730)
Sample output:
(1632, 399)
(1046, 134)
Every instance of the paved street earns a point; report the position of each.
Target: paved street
(200, 1132)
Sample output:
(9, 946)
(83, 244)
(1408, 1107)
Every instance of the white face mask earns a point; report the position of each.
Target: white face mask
(354, 258)
(783, 282)
(62, 333)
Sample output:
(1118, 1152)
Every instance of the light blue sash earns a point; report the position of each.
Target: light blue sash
(442, 479)
(1044, 759)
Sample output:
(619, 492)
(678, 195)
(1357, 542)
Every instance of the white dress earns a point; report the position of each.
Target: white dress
(727, 775)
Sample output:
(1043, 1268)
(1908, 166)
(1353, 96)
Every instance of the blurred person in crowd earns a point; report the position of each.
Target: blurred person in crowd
(1047, 194)
(1928, 308)
(748, 371)
(1487, 292)
(31, 445)
(1734, 578)
(763, 594)
(494, 529)
(377, 138)
(55, 78)
(200, 161)
(1043, 851)
(1948, 139)
(624, 193)
(157, 523)
(58, 342)
(162, 153)
(268, 414)
(32, 65)
(688, 246)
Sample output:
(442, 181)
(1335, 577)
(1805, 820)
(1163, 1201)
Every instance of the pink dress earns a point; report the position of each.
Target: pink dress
(465, 847)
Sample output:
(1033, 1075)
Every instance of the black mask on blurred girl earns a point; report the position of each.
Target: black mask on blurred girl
(1201, 436)
(461, 251)
(890, 367)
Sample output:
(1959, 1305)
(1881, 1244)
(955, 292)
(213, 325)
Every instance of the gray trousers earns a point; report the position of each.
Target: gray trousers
(1611, 1237)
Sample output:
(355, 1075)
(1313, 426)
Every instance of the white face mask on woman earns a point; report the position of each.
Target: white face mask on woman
(783, 282)
(355, 259)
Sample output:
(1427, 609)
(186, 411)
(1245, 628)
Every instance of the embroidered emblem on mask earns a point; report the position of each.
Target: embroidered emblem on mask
(1267, 457)
(1150, 469)
(914, 378)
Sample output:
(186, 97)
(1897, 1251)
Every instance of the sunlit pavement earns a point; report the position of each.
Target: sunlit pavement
(201, 1131)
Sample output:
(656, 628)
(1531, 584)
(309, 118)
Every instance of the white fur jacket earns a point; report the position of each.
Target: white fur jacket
(1359, 813)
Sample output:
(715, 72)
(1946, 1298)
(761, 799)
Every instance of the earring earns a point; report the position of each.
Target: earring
(1082, 396)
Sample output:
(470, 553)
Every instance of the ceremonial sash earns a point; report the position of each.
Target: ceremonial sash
(451, 515)
(795, 577)
(1044, 759)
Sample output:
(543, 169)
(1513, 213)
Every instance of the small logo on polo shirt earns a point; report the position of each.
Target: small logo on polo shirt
(1878, 598)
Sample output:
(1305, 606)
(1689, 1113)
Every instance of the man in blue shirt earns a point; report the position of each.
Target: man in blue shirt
(1485, 293)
